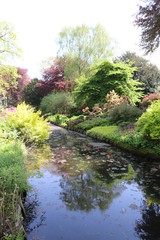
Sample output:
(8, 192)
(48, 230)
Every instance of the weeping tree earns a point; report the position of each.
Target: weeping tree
(82, 46)
(106, 77)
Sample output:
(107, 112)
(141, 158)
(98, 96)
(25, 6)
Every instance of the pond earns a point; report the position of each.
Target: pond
(86, 190)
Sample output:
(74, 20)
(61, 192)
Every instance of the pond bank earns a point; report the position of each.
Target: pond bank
(148, 153)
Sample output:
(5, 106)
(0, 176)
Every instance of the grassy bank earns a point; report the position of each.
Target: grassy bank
(12, 186)
(108, 134)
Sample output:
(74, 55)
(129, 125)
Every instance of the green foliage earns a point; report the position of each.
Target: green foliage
(31, 94)
(8, 48)
(8, 78)
(12, 170)
(145, 72)
(149, 123)
(124, 113)
(19, 236)
(127, 138)
(28, 124)
(13, 183)
(88, 124)
(103, 132)
(58, 119)
(8, 42)
(106, 77)
(74, 120)
(60, 102)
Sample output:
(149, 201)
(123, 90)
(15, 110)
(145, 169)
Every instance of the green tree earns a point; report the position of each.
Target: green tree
(145, 72)
(83, 46)
(31, 94)
(148, 19)
(8, 49)
(106, 77)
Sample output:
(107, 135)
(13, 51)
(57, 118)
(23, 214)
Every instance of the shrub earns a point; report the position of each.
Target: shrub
(124, 113)
(28, 124)
(112, 100)
(104, 78)
(149, 123)
(60, 102)
(88, 124)
(31, 94)
(148, 99)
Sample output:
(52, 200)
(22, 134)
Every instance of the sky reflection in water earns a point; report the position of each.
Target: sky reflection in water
(92, 191)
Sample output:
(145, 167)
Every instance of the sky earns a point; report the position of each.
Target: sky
(38, 22)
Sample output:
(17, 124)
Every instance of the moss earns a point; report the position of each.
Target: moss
(102, 131)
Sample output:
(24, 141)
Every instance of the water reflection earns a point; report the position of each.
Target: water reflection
(148, 227)
(113, 193)
(33, 211)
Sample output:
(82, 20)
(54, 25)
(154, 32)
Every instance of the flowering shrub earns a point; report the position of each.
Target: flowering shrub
(129, 129)
(7, 111)
(112, 100)
(148, 99)
(86, 111)
(96, 110)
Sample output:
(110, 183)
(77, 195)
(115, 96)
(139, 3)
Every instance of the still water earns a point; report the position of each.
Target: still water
(85, 190)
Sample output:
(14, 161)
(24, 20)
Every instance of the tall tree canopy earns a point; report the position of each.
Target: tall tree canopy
(148, 19)
(83, 46)
(8, 42)
(106, 77)
(145, 72)
(8, 49)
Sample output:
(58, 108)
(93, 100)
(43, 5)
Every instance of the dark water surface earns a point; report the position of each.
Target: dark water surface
(89, 190)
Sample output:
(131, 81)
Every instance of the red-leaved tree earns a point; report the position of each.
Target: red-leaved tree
(53, 79)
(14, 94)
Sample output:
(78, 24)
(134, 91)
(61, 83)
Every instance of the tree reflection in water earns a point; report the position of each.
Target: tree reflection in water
(149, 227)
(90, 189)
(32, 212)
